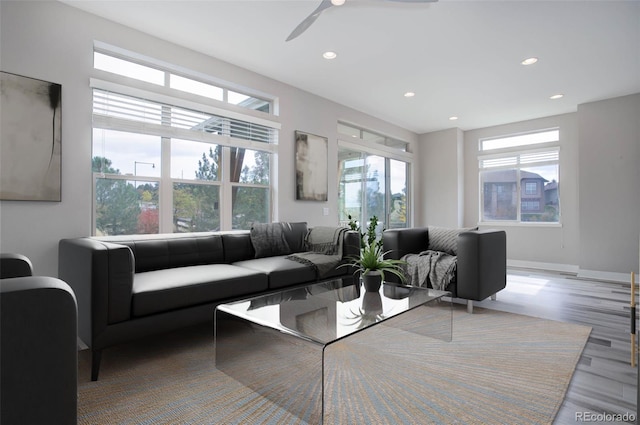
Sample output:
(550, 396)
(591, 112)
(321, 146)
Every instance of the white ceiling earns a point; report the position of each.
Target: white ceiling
(461, 58)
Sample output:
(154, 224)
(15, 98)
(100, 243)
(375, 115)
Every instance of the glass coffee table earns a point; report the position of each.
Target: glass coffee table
(281, 344)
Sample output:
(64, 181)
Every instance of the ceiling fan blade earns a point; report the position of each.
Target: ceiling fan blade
(304, 25)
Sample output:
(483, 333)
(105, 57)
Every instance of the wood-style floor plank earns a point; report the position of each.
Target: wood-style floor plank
(604, 382)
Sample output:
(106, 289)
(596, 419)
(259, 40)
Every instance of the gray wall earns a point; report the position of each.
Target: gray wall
(599, 165)
(440, 175)
(609, 190)
(599, 189)
(551, 246)
(54, 42)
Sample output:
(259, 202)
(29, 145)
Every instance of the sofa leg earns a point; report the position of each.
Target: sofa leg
(96, 356)
(470, 306)
(494, 297)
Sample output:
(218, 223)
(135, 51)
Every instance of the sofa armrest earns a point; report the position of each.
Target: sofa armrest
(482, 263)
(15, 265)
(38, 342)
(399, 242)
(351, 244)
(101, 275)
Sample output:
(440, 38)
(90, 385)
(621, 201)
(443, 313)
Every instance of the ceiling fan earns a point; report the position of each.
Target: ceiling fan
(325, 4)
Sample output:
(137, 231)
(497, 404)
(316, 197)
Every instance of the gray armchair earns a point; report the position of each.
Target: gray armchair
(481, 257)
(38, 346)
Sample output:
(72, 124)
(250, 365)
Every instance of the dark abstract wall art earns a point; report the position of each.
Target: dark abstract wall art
(311, 167)
(30, 139)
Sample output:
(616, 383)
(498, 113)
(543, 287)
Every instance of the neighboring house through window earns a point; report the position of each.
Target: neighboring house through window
(519, 178)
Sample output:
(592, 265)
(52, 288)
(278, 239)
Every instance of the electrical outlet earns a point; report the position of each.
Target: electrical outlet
(325, 211)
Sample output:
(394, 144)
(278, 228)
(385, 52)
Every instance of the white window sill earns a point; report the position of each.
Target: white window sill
(517, 224)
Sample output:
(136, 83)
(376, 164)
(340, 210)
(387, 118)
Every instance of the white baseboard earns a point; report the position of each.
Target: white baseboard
(611, 276)
(554, 267)
(571, 269)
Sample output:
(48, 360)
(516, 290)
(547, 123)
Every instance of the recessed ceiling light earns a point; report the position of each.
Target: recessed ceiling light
(337, 2)
(556, 96)
(453, 118)
(409, 94)
(329, 55)
(529, 61)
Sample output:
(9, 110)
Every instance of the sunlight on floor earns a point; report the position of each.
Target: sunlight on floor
(525, 285)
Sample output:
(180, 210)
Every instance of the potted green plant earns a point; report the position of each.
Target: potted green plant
(371, 264)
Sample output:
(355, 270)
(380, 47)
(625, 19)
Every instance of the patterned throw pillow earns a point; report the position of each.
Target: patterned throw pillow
(445, 239)
(268, 240)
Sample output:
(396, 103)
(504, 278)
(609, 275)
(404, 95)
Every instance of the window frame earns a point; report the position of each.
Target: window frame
(519, 158)
(164, 95)
(359, 140)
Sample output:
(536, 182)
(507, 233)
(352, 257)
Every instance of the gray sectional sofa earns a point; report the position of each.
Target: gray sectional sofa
(133, 286)
(479, 256)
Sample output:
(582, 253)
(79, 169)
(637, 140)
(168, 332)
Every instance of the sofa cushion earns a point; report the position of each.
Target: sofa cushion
(164, 290)
(195, 251)
(445, 239)
(281, 272)
(152, 253)
(237, 246)
(268, 240)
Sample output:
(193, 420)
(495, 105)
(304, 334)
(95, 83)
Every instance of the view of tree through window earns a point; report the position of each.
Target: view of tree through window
(123, 206)
(365, 191)
(129, 206)
(398, 209)
(177, 167)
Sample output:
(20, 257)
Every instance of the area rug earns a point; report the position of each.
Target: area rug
(499, 368)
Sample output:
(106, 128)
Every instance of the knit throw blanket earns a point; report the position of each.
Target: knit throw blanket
(324, 249)
(430, 268)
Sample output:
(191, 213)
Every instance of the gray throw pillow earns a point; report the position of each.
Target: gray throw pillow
(268, 240)
(295, 234)
(445, 239)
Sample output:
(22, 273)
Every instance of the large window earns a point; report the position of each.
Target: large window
(166, 163)
(519, 178)
(373, 180)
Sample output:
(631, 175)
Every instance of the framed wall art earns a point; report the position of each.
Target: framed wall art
(30, 139)
(311, 167)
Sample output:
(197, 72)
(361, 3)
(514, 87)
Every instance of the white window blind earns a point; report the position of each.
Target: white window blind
(526, 158)
(133, 112)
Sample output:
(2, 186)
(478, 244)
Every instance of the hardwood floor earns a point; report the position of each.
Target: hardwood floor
(604, 382)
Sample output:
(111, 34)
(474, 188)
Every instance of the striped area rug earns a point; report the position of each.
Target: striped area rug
(500, 368)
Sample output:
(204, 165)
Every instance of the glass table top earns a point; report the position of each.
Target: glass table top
(327, 311)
